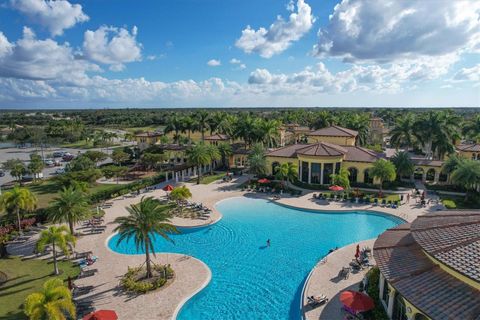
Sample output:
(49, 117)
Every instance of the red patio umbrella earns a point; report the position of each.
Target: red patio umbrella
(357, 301)
(335, 188)
(101, 315)
(168, 187)
(264, 180)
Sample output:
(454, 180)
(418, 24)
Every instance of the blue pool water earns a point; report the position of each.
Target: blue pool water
(250, 280)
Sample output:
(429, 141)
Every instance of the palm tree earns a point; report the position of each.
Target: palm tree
(257, 161)
(17, 200)
(71, 206)
(214, 121)
(467, 175)
(244, 128)
(227, 125)
(287, 172)
(180, 193)
(202, 117)
(145, 220)
(213, 154)
(341, 178)
(472, 128)
(189, 125)
(383, 170)
(403, 164)
(225, 152)
(321, 120)
(198, 156)
(268, 132)
(451, 164)
(360, 123)
(403, 132)
(57, 237)
(174, 124)
(54, 302)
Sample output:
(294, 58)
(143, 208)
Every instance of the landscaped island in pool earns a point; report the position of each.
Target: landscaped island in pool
(249, 279)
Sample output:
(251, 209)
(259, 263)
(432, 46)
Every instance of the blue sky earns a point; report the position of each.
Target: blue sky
(192, 53)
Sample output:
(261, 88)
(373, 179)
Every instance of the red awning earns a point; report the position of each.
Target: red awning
(168, 187)
(335, 188)
(357, 301)
(264, 180)
(101, 315)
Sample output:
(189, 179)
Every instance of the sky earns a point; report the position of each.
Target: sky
(249, 53)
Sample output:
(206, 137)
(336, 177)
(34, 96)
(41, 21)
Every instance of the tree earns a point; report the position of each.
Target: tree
(180, 194)
(152, 160)
(383, 170)
(198, 156)
(145, 220)
(287, 172)
(189, 125)
(403, 164)
(257, 161)
(54, 302)
(36, 165)
(57, 237)
(269, 132)
(451, 164)
(71, 206)
(402, 135)
(173, 124)
(17, 200)
(226, 151)
(202, 117)
(81, 163)
(17, 168)
(467, 175)
(95, 156)
(472, 128)
(213, 154)
(119, 156)
(341, 178)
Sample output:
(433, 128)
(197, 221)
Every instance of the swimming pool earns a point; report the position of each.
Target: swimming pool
(249, 279)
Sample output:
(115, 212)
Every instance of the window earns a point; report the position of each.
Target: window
(315, 174)
(337, 167)
(399, 309)
(304, 171)
(386, 292)
(327, 171)
(353, 174)
(366, 177)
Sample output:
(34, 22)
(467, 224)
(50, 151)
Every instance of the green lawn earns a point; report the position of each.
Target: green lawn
(82, 144)
(207, 179)
(23, 278)
(47, 190)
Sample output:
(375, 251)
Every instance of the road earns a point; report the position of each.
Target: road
(24, 155)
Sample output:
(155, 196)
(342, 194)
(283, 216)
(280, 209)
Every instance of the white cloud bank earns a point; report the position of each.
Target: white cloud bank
(384, 31)
(280, 34)
(56, 16)
(214, 63)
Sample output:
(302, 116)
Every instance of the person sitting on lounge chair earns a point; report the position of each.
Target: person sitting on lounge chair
(316, 300)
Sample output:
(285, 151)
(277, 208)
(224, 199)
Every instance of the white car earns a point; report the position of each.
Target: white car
(60, 171)
(49, 163)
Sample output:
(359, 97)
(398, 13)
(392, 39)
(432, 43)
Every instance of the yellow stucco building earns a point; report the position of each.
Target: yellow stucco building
(469, 151)
(146, 139)
(429, 268)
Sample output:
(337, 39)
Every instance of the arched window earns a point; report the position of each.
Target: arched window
(430, 175)
(420, 316)
(418, 174)
(353, 174)
(399, 309)
(274, 167)
(366, 176)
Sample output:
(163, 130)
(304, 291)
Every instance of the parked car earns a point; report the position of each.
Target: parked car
(49, 163)
(59, 171)
(58, 154)
(29, 177)
(68, 157)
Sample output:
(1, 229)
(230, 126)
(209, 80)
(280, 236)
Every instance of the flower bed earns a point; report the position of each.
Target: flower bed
(135, 279)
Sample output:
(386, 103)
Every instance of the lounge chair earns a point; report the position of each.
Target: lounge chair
(87, 273)
(384, 202)
(375, 202)
(317, 300)
(344, 273)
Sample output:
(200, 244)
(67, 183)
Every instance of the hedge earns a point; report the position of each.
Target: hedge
(378, 313)
(445, 187)
(449, 204)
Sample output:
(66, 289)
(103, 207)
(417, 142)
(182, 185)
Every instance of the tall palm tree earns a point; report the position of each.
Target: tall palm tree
(451, 164)
(383, 170)
(360, 123)
(145, 220)
(321, 120)
(472, 128)
(467, 175)
(287, 172)
(53, 302)
(213, 154)
(57, 237)
(403, 164)
(244, 129)
(202, 117)
(174, 124)
(198, 156)
(269, 132)
(341, 178)
(71, 206)
(215, 120)
(257, 162)
(227, 125)
(189, 125)
(226, 151)
(17, 200)
(402, 135)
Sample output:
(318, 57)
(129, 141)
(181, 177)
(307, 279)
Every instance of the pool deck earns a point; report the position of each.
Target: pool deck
(191, 274)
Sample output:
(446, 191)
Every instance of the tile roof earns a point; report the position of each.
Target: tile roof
(359, 154)
(322, 149)
(427, 162)
(475, 147)
(218, 136)
(334, 131)
(239, 148)
(289, 151)
(452, 237)
(424, 284)
(173, 147)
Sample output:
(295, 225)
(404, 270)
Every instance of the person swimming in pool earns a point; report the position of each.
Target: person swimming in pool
(268, 243)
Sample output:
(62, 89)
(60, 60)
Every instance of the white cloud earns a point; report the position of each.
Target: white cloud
(235, 61)
(242, 66)
(385, 31)
(31, 58)
(56, 16)
(468, 74)
(113, 46)
(214, 63)
(279, 35)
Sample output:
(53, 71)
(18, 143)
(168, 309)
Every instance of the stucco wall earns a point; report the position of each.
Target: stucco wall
(342, 141)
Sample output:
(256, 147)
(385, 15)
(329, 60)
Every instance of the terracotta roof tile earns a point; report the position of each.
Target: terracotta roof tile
(322, 149)
(334, 131)
(475, 147)
(359, 154)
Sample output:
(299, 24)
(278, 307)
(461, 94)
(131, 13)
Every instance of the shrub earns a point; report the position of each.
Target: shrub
(445, 187)
(132, 282)
(378, 313)
(449, 204)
